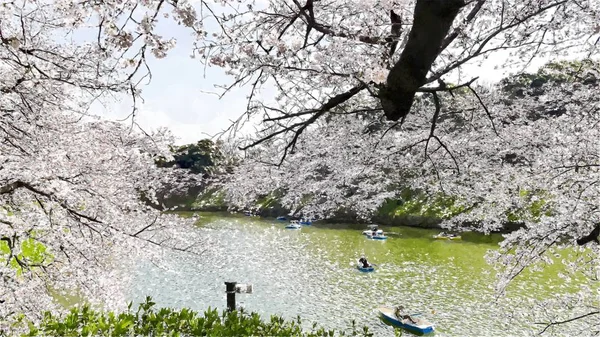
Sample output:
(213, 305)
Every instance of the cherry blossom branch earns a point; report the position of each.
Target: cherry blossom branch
(316, 114)
(549, 325)
(443, 87)
(457, 30)
(436, 113)
(18, 184)
(434, 119)
(146, 227)
(484, 108)
(307, 12)
(480, 49)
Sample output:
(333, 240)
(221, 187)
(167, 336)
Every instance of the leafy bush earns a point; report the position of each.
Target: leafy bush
(151, 321)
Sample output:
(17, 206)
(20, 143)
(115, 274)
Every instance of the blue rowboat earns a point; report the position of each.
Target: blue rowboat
(293, 225)
(420, 326)
(305, 222)
(282, 218)
(369, 232)
(366, 270)
(372, 228)
(377, 237)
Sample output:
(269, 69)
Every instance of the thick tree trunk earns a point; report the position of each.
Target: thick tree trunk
(431, 23)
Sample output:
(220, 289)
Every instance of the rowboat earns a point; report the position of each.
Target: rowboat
(306, 222)
(281, 218)
(370, 232)
(445, 236)
(419, 326)
(293, 225)
(366, 270)
(372, 228)
(377, 237)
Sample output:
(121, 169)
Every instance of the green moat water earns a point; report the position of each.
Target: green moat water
(311, 272)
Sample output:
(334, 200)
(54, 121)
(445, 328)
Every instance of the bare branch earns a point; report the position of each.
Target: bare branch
(548, 325)
(330, 104)
(484, 108)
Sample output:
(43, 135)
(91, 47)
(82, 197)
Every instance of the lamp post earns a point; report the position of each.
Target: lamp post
(231, 288)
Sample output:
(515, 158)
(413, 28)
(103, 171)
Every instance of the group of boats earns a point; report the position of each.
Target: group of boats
(396, 316)
(374, 233)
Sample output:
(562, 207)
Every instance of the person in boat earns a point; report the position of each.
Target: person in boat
(399, 315)
(363, 261)
(409, 318)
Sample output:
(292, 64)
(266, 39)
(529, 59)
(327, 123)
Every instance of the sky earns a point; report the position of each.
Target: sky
(182, 94)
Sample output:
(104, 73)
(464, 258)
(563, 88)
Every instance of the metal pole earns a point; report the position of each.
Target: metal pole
(230, 290)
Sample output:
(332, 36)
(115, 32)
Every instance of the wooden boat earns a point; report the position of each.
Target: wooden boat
(420, 325)
(445, 236)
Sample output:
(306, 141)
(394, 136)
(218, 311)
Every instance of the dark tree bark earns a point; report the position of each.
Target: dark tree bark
(396, 31)
(431, 23)
(592, 237)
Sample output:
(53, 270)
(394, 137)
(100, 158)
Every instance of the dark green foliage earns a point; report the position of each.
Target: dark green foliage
(556, 73)
(198, 158)
(151, 321)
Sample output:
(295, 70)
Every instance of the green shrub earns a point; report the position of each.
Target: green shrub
(148, 320)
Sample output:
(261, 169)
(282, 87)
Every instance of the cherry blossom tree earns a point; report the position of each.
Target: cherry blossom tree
(374, 56)
(70, 184)
(364, 104)
(69, 187)
(534, 141)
